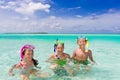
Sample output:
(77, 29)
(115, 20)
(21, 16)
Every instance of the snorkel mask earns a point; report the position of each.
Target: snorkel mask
(27, 46)
(60, 42)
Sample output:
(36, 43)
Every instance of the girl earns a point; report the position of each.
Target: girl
(60, 60)
(27, 64)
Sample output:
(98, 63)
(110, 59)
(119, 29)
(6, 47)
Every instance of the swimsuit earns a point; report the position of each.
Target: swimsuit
(24, 71)
(60, 70)
(85, 62)
(60, 62)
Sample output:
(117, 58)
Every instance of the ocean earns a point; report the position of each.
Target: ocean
(105, 50)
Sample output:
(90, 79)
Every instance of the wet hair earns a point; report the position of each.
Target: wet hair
(35, 62)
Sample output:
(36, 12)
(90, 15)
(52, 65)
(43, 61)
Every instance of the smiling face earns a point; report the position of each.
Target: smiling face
(28, 54)
(81, 42)
(60, 48)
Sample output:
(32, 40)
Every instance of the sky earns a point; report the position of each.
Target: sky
(60, 16)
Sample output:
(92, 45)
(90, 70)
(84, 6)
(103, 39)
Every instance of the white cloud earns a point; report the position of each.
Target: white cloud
(1, 1)
(32, 7)
(109, 22)
(45, 1)
(74, 8)
(8, 5)
(11, 3)
(26, 18)
(79, 16)
(26, 7)
(111, 10)
(52, 17)
(51, 22)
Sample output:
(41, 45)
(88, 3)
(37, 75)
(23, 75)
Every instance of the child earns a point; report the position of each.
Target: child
(60, 60)
(27, 64)
(81, 54)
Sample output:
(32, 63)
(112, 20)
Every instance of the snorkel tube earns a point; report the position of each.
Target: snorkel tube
(86, 48)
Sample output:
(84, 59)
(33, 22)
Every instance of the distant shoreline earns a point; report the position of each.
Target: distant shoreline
(59, 33)
(26, 33)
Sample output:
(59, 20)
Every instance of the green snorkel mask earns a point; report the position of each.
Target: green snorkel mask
(60, 42)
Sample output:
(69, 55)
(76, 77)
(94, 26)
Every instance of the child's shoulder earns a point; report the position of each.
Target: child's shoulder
(52, 55)
(66, 54)
(20, 64)
(89, 51)
(75, 49)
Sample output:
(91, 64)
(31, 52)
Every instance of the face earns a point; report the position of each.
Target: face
(60, 48)
(28, 54)
(81, 42)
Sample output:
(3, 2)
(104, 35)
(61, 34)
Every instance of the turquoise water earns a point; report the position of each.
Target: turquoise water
(105, 49)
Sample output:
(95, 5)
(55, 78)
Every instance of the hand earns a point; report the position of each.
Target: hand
(11, 74)
(93, 63)
(38, 67)
(47, 61)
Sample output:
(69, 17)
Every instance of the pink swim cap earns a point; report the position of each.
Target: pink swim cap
(27, 46)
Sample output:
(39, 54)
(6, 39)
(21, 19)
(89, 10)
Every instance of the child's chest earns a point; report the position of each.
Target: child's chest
(80, 53)
(26, 64)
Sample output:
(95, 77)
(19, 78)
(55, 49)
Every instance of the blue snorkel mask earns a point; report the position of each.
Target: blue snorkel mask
(81, 37)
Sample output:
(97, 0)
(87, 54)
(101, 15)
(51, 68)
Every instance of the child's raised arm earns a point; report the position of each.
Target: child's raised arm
(69, 59)
(91, 57)
(73, 55)
(12, 68)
